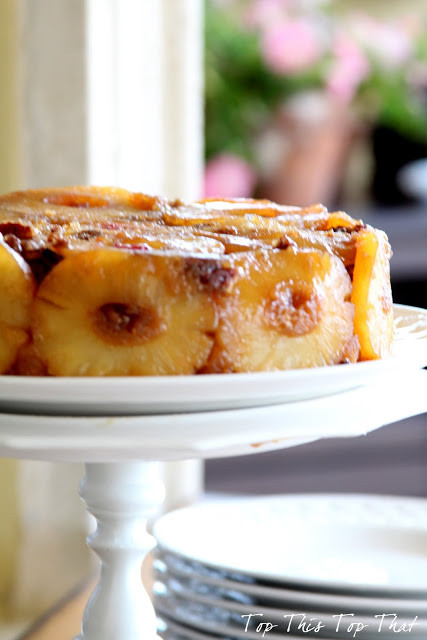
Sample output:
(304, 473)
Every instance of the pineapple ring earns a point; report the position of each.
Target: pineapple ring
(16, 297)
(43, 200)
(113, 312)
(242, 206)
(310, 325)
(372, 299)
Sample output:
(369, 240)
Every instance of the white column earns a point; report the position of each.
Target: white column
(105, 92)
(183, 98)
(124, 93)
(182, 121)
(144, 86)
(121, 497)
(51, 123)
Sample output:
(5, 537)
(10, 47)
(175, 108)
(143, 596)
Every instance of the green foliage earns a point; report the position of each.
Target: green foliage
(399, 107)
(242, 93)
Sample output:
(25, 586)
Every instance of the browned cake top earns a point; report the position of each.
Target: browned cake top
(295, 279)
(59, 220)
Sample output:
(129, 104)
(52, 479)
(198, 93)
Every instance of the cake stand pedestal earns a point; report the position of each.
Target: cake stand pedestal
(122, 489)
(121, 496)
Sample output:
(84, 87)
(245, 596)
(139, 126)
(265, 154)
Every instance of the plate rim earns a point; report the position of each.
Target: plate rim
(277, 592)
(56, 380)
(313, 583)
(213, 391)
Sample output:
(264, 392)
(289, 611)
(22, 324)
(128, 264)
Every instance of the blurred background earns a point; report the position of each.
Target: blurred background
(326, 101)
(315, 100)
(305, 101)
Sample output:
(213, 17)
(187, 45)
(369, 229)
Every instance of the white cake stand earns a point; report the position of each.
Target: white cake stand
(121, 486)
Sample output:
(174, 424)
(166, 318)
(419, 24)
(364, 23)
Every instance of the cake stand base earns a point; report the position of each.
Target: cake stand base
(122, 488)
(122, 497)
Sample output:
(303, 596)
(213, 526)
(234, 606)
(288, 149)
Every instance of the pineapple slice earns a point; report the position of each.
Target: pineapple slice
(286, 310)
(264, 208)
(242, 206)
(340, 243)
(46, 201)
(140, 285)
(46, 209)
(250, 222)
(145, 237)
(341, 220)
(372, 299)
(16, 296)
(114, 312)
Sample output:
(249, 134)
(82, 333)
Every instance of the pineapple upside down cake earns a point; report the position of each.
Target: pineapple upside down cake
(98, 281)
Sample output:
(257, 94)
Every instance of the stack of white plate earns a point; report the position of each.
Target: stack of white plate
(314, 566)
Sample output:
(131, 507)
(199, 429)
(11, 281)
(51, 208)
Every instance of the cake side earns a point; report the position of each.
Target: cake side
(102, 281)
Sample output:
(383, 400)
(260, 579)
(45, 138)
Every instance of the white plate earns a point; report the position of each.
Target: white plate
(222, 618)
(212, 433)
(176, 394)
(170, 629)
(187, 578)
(277, 614)
(368, 544)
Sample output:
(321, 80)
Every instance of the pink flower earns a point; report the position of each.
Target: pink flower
(291, 46)
(349, 69)
(229, 176)
(263, 12)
